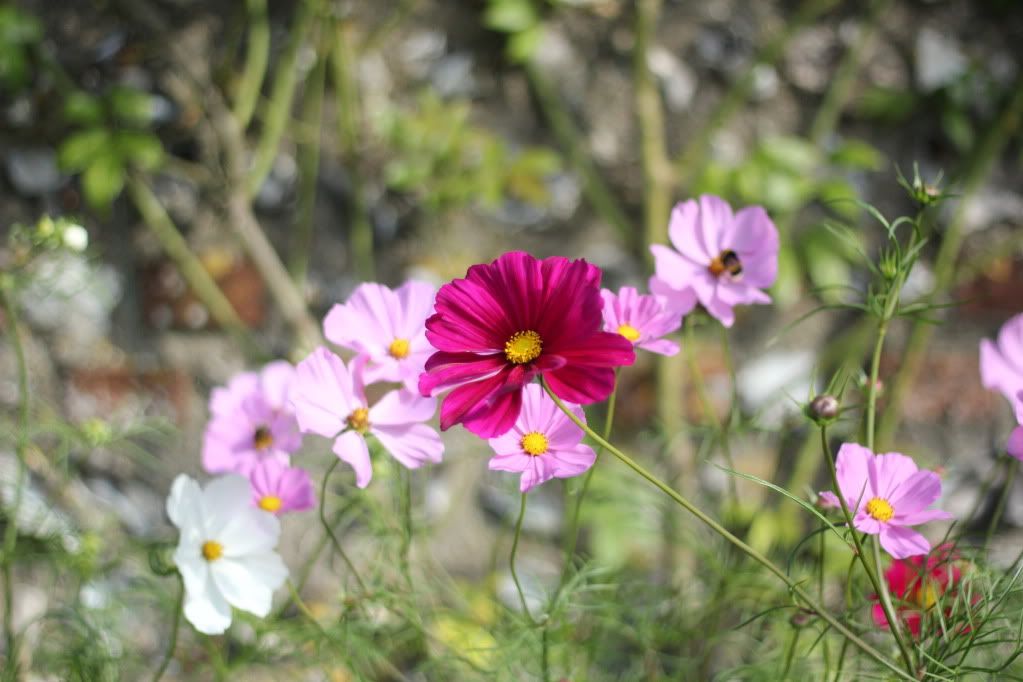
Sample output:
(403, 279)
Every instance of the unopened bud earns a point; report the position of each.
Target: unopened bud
(824, 407)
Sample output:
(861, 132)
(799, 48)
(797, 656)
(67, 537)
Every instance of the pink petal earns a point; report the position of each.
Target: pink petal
(1015, 445)
(888, 472)
(276, 379)
(672, 269)
(754, 238)
(411, 444)
(851, 467)
(401, 407)
(323, 394)
(351, 448)
(923, 516)
(661, 347)
(903, 542)
(513, 462)
(415, 300)
(918, 491)
(829, 500)
(686, 236)
(572, 461)
(675, 300)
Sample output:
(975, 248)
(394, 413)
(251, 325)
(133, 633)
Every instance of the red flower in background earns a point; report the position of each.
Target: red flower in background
(506, 323)
(916, 587)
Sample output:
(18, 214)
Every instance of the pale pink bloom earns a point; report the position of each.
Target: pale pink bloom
(720, 259)
(278, 488)
(1015, 446)
(641, 319)
(251, 421)
(1001, 363)
(543, 444)
(387, 327)
(886, 495)
(330, 400)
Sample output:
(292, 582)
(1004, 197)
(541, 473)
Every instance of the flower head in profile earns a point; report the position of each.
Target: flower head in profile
(886, 494)
(278, 488)
(510, 321)
(918, 584)
(720, 259)
(251, 420)
(641, 319)
(387, 327)
(330, 400)
(225, 553)
(1001, 361)
(1015, 446)
(543, 444)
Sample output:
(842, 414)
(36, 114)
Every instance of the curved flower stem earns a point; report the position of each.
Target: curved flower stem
(794, 587)
(1010, 477)
(873, 572)
(330, 532)
(404, 482)
(511, 559)
(175, 624)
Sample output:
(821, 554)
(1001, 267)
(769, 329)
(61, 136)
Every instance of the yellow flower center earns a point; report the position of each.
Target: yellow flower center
(926, 595)
(270, 503)
(358, 420)
(263, 438)
(212, 550)
(726, 261)
(523, 347)
(534, 443)
(629, 332)
(880, 509)
(398, 349)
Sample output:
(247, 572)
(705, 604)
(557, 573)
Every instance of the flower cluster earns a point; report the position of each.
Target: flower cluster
(1001, 369)
(918, 585)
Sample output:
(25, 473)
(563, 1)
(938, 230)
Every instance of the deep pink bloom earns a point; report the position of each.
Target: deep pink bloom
(916, 587)
(1001, 363)
(508, 322)
(720, 259)
(643, 320)
(543, 444)
(387, 327)
(886, 495)
(251, 420)
(278, 488)
(330, 400)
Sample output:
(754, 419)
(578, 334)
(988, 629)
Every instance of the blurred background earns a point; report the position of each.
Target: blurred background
(241, 166)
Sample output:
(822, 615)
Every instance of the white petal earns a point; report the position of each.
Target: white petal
(207, 610)
(183, 502)
(250, 531)
(249, 590)
(222, 499)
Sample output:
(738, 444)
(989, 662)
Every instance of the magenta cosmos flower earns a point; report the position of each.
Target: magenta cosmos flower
(543, 444)
(330, 400)
(641, 319)
(278, 488)
(387, 327)
(1001, 363)
(251, 420)
(508, 322)
(720, 259)
(886, 495)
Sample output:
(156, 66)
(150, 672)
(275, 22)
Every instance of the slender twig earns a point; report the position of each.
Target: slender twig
(511, 560)
(790, 652)
(257, 57)
(1011, 466)
(309, 173)
(330, 531)
(172, 643)
(749, 551)
(21, 449)
(403, 482)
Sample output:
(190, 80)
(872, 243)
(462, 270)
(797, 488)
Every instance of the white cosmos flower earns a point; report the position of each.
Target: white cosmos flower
(226, 552)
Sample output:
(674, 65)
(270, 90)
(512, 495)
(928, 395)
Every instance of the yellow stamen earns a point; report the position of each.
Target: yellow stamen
(358, 420)
(880, 509)
(523, 347)
(534, 443)
(270, 503)
(926, 595)
(399, 349)
(263, 438)
(212, 550)
(629, 332)
(726, 261)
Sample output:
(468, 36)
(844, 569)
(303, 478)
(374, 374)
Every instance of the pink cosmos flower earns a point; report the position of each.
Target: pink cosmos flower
(508, 322)
(642, 320)
(278, 488)
(543, 444)
(886, 495)
(1001, 363)
(720, 259)
(330, 400)
(251, 421)
(387, 327)
(1015, 447)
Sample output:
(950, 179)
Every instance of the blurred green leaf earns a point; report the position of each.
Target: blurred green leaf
(83, 109)
(130, 105)
(859, 155)
(510, 16)
(103, 180)
(522, 45)
(788, 286)
(790, 153)
(140, 149)
(891, 105)
(958, 128)
(827, 268)
(18, 27)
(80, 149)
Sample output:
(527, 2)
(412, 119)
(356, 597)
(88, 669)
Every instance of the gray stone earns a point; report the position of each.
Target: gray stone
(33, 171)
(452, 75)
(939, 59)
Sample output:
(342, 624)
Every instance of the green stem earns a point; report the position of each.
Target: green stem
(1010, 477)
(511, 559)
(880, 587)
(794, 586)
(256, 58)
(404, 481)
(21, 450)
(175, 626)
(309, 172)
(330, 532)
(790, 652)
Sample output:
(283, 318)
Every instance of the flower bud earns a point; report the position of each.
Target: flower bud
(824, 407)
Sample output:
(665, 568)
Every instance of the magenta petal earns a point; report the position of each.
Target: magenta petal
(581, 385)
(463, 399)
(496, 416)
(445, 369)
